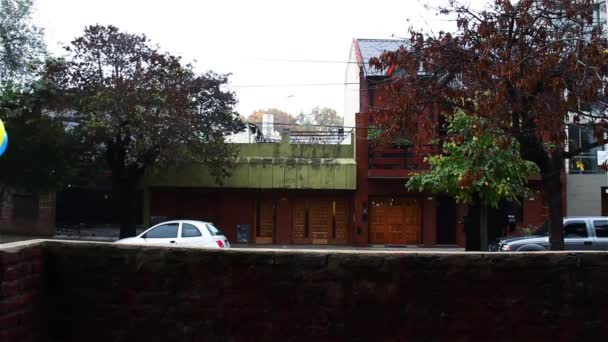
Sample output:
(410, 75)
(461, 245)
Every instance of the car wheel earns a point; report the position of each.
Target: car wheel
(531, 248)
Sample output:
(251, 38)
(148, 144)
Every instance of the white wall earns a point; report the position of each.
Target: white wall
(584, 194)
(351, 89)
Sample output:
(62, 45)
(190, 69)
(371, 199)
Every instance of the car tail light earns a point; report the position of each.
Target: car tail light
(219, 243)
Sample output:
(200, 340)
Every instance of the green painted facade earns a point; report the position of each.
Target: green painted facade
(273, 166)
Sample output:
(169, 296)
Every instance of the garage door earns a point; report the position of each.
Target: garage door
(395, 221)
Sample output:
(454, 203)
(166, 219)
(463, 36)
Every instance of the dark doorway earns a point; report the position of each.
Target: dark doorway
(91, 207)
(446, 221)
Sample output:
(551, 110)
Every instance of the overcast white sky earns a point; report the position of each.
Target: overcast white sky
(250, 39)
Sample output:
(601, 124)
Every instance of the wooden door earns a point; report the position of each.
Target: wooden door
(395, 221)
(396, 232)
(300, 222)
(412, 221)
(377, 224)
(265, 222)
(339, 234)
(319, 218)
(320, 221)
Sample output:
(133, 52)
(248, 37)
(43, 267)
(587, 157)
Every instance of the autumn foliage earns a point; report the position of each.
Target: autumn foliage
(527, 67)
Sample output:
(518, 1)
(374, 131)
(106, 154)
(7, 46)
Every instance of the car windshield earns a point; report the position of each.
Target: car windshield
(214, 230)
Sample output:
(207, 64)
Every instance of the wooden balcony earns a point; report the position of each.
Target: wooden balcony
(399, 162)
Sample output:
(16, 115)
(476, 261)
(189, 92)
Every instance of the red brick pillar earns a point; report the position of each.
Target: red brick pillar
(360, 226)
(283, 222)
(429, 221)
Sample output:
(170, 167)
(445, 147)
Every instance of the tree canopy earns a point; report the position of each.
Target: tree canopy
(280, 117)
(39, 155)
(525, 66)
(21, 42)
(480, 163)
(138, 108)
(319, 117)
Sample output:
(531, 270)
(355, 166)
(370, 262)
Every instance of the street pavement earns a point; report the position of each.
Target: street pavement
(110, 234)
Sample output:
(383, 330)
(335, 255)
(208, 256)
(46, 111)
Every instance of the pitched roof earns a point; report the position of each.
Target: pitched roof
(368, 48)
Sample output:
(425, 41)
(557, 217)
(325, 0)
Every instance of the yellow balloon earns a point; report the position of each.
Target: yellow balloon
(2, 132)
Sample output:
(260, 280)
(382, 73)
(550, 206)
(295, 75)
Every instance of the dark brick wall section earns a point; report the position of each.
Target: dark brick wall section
(42, 225)
(101, 292)
(21, 293)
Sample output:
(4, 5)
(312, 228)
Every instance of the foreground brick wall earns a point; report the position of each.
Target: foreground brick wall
(106, 293)
(100, 292)
(21, 293)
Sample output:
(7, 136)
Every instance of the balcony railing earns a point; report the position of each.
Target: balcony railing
(402, 158)
(257, 133)
(584, 164)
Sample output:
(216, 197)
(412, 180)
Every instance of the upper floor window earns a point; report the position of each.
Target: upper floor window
(582, 137)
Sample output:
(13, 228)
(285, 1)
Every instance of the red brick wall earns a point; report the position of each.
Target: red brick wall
(360, 226)
(364, 100)
(103, 292)
(43, 225)
(21, 290)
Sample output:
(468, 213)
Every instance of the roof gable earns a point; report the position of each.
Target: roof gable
(369, 48)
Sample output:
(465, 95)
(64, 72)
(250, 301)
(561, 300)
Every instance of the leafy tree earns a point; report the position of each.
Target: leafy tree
(280, 117)
(137, 108)
(40, 154)
(21, 42)
(524, 66)
(319, 117)
(481, 165)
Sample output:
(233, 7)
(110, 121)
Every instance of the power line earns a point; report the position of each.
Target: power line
(308, 61)
(291, 85)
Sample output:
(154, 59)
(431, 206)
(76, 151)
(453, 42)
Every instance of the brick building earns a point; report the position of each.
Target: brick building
(385, 211)
(285, 190)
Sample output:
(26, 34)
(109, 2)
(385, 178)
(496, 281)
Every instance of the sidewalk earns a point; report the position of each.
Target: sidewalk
(107, 234)
(352, 248)
(110, 234)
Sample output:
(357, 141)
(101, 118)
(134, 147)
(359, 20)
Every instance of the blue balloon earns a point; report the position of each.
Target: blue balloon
(4, 145)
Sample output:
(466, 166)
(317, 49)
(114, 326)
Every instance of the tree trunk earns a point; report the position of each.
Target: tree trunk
(483, 224)
(125, 179)
(472, 228)
(552, 186)
(127, 201)
(551, 165)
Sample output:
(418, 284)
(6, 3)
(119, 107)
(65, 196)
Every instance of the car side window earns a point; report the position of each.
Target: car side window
(165, 231)
(189, 230)
(575, 229)
(601, 228)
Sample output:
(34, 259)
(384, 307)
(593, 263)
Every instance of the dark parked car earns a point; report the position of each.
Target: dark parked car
(580, 233)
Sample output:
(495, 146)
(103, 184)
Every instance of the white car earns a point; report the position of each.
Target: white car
(181, 233)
